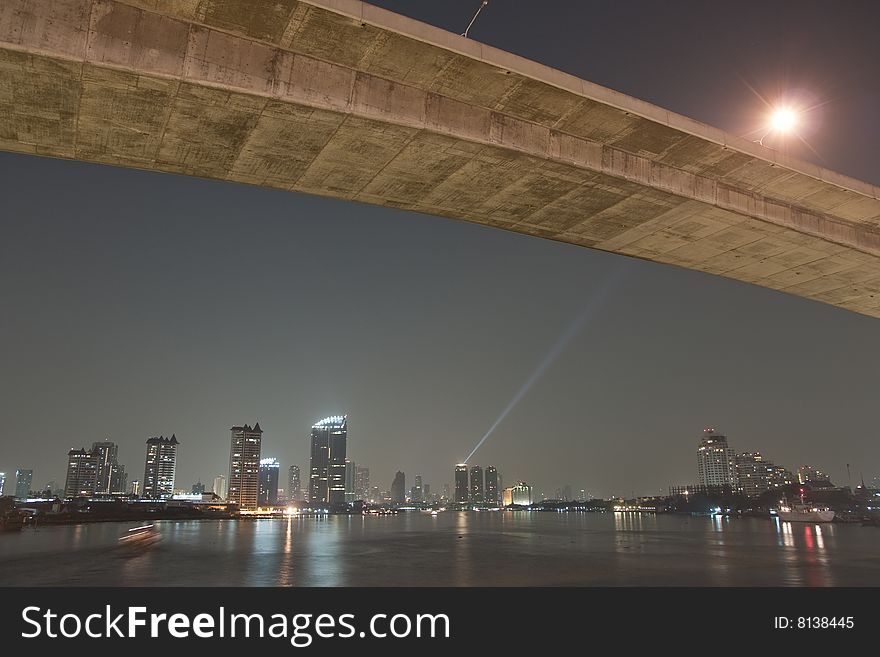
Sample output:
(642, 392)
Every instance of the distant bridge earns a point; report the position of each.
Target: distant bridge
(343, 99)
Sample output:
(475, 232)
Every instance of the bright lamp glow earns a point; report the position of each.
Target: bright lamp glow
(783, 120)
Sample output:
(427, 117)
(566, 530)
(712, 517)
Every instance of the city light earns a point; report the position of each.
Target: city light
(783, 120)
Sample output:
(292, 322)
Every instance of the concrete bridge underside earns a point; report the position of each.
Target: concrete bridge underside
(343, 99)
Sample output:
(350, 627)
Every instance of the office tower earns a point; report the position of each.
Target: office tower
(521, 494)
(159, 467)
(446, 493)
(752, 474)
(362, 482)
(491, 485)
(198, 488)
(715, 461)
(82, 473)
(294, 488)
(566, 493)
(327, 475)
(269, 471)
(219, 487)
(350, 493)
(23, 480)
(398, 488)
(134, 488)
(118, 479)
(417, 493)
(426, 492)
(462, 489)
(476, 484)
(244, 466)
(2, 483)
(106, 463)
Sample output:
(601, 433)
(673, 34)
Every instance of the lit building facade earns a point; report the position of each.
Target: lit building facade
(160, 466)
(82, 473)
(715, 461)
(520, 494)
(24, 478)
(219, 487)
(476, 484)
(491, 493)
(462, 488)
(350, 492)
(244, 466)
(294, 486)
(362, 482)
(269, 471)
(2, 483)
(327, 475)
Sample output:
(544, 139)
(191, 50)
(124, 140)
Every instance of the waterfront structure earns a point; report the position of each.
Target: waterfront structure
(82, 473)
(219, 486)
(270, 468)
(462, 488)
(244, 466)
(327, 474)
(476, 484)
(520, 494)
(23, 480)
(160, 466)
(715, 460)
(398, 488)
(294, 487)
(491, 493)
(752, 473)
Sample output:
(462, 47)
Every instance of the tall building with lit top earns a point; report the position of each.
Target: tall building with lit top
(491, 494)
(462, 488)
(160, 466)
(246, 446)
(327, 474)
(269, 471)
(476, 484)
(715, 461)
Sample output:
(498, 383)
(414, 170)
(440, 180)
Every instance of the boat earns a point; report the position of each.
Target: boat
(140, 537)
(801, 512)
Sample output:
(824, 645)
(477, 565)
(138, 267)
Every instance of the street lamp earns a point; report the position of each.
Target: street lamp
(782, 121)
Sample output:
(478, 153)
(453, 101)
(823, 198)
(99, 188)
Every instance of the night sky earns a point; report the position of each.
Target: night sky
(138, 304)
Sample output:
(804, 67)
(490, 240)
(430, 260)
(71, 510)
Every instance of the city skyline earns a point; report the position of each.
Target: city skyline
(423, 329)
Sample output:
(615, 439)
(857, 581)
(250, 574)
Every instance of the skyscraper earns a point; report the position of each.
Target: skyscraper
(244, 466)
(82, 473)
(219, 487)
(106, 466)
(476, 484)
(327, 476)
(417, 491)
(159, 467)
(2, 482)
(462, 489)
(23, 480)
(398, 488)
(269, 471)
(350, 495)
(715, 461)
(362, 482)
(491, 485)
(294, 487)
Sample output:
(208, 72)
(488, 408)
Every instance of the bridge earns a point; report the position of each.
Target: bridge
(343, 99)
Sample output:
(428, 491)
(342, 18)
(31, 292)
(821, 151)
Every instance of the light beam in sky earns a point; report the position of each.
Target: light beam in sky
(573, 329)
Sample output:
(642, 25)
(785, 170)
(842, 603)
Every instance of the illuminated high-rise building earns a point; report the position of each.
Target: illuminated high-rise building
(219, 487)
(23, 480)
(82, 473)
(160, 466)
(491, 494)
(476, 484)
(417, 494)
(106, 467)
(294, 487)
(2, 483)
(362, 482)
(462, 488)
(269, 471)
(327, 475)
(520, 494)
(244, 466)
(715, 461)
(134, 488)
(350, 493)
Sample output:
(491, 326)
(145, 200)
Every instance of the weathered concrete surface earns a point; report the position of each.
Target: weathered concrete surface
(340, 98)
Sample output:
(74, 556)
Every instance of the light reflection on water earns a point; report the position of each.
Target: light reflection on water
(452, 549)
